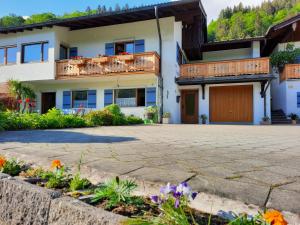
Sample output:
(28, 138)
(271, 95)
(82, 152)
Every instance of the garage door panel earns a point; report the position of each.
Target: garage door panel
(231, 104)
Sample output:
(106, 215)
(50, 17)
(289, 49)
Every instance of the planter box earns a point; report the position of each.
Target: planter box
(125, 57)
(294, 122)
(100, 60)
(77, 62)
(166, 120)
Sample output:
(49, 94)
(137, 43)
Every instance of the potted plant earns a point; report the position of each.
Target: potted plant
(281, 58)
(203, 118)
(151, 114)
(294, 117)
(166, 118)
(78, 61)
(265, 121)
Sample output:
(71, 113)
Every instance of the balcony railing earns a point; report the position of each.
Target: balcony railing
(140, 63)
(290, 71)
(226, 68)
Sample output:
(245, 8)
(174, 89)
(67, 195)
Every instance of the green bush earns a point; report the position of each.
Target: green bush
(114, 109)
(99, 118)
(131, 120)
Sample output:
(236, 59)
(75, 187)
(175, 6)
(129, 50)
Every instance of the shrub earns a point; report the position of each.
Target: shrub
(114, 109)
(99, 118)
(131, 120)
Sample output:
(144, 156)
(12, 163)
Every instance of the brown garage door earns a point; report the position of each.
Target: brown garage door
(231, 104)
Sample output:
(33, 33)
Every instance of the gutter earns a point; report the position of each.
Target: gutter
(160, 78)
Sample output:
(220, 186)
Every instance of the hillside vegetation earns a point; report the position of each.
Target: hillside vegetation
(245, 21)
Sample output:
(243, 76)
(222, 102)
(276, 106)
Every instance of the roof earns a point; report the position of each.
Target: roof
(224, 79)
(282, 25)
(230, 44)
(178, 9)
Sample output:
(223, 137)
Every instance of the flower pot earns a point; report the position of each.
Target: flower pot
(265, 123)
(166, 120)
(294, 122)
(77, 62)
(203, 121)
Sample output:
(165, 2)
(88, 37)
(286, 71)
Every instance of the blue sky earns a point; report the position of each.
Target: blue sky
(28, 7)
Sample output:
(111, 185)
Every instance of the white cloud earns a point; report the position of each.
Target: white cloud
(213, 7)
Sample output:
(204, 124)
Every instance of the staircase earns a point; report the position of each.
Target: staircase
(279, 117)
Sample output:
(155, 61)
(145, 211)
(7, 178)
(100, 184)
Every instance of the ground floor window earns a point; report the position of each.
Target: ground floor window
(79, 99)
(130, 97)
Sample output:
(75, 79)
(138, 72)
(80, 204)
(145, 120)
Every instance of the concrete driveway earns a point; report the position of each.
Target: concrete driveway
(254, 164)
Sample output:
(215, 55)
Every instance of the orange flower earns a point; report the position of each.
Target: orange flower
(275, 217)
(56, 164)
(2, 161)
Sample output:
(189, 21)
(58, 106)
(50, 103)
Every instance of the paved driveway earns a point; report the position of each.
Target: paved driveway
(239, 162)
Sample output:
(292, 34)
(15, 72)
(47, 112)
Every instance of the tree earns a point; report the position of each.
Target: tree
(88, 10)
(11, 20)
(39, 18)
(117, 7)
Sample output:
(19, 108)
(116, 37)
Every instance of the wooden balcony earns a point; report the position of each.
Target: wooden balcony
(142, 63)
(226, 68)
(290, 71)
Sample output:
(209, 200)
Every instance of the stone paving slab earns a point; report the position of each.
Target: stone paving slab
(239, 162)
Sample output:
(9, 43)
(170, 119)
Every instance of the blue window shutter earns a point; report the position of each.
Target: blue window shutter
(109, 49)
(298, 99)
(150, 96)
(108, 97)
(92, 99)
(139, 46)
(67, 100)
(177, 53)
(73, 52)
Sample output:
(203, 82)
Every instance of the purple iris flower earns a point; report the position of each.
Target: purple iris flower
(194, 195)
(155, 199)
(168, 189)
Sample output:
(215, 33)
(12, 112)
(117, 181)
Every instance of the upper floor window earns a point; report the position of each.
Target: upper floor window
(35, 52)
(137, 46)
(8, 55)
(63, 52)
(122, 47)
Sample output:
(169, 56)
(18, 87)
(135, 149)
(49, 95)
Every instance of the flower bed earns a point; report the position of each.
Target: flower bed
(169, 207)
(55, 119)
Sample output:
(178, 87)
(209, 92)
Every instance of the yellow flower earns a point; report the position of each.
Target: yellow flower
(274, 217)
(2, 161)
(56, 164)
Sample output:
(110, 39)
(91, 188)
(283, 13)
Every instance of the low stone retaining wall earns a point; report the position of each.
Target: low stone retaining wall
(24, 203)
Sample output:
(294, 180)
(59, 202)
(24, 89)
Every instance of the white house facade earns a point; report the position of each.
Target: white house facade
(149, 56)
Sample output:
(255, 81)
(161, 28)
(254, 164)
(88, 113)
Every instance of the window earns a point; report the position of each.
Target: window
(36, 52)
(124, 47)
(79, 99)
(8, 55)
(298, 99)
(132, 97)
(63, 52)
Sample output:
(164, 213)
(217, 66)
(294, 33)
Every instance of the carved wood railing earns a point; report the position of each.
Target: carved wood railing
(226, 68)
(140, 63)
(290, 71)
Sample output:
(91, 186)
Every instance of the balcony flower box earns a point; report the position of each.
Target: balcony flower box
(101, 59)
(125, 57)
(78, 62)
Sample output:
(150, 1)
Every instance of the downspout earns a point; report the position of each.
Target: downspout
(160, 78)
(265, 98)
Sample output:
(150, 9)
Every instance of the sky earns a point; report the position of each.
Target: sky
(28, 7)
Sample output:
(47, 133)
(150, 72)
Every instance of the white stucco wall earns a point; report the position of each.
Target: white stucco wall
(28, 71)
(292, 87)
(258, 101)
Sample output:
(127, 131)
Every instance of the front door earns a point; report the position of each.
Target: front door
(189, 106)
(48, 101)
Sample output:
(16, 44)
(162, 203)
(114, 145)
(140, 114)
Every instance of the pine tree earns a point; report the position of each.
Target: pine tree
(117, 7)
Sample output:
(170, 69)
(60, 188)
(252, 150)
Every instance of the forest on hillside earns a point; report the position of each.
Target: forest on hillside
(233, 22)
(244, 21)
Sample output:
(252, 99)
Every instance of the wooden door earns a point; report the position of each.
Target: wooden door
(231, 104)
(189, 106)
(48, 101)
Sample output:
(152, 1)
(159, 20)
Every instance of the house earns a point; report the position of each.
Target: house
(286, 87)
(146, 56)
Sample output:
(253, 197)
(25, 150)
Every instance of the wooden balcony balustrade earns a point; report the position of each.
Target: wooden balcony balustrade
(290, 71)
(226, 68)
(140, 63)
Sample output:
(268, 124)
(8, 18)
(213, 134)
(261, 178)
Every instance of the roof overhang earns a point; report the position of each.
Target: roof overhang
(179, 9)
(224, 80)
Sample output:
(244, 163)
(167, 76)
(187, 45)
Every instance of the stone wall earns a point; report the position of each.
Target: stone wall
(24, 203)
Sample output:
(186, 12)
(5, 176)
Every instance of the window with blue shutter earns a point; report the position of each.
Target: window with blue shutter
(73, 52)
(108, 97)
(109, 49)
(150, 96)
(92, 99)
(179, 54)
(298, 99)
(67, 100)
(139, 46)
